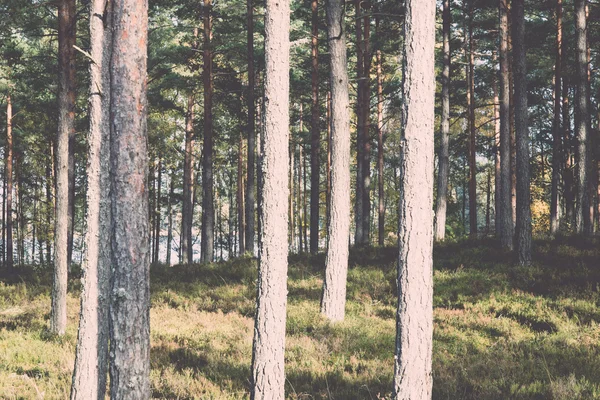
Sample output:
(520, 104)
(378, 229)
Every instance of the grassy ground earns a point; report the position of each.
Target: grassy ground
(501, 332)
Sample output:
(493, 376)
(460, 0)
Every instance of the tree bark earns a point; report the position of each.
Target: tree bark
(505, 212)
(472, 129)
(157, 213)
(315, 146)
(443, 158)
(241, 228)
(336, 263)
(414, 318)
(556, 128)
(9, 184)
(170, 219)
(268, 378)
(359, 235)
(130, 289)
(366, 129)
(91, 359)
(523, 227)
(187, 213)
(582, 122)
(66, 128)
(251, 105)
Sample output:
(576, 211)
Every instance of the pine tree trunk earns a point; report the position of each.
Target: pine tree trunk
(328, 193)
(359, 235)
(157, 213)
(70, 122)
(268, 378)
(91, 360)
(443, 159)
(336, 263)
(66, 127)
(170, 219)
(9, 184)
(250, 184)
(315, 147)
(299, 202)
(505, 212)
(497, 161)
(556, 128)
(414, 335)
(130, 289)
(582, 222)
(241, 222)
(523, 227)
(366, 129)
(187, 215)
(472, 129)
(208, 208)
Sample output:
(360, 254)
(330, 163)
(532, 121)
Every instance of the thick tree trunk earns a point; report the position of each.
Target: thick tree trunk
(443, 158)
(208, 208)
(66, 127)
(9, 184)
(130, 291)
(582, 122)
(91, 360)
(268, 378)
(414, 335)
(187, 214)
(250, 184)
(556, 128)
(504, 215)
(336, 263)
(523, 228)
(472, 129)
(315, 146)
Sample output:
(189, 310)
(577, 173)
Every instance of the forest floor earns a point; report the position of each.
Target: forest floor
(501, 331)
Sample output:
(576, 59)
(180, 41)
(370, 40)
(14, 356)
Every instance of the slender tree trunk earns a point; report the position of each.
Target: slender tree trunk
(187, 214)
(328, 201)
(91, 360)
(359, 236)
(71, 27)
(488, 203)
(567, 146)
(336, 263)
(556, 128)
(157, 213)
(66, 127)
(268, 378)
(49, 205)
(414, 335)
(304, 205)
(208, 211)
(505, 212)
(366, 129)
(315, 146)
(9, 184)
(170, 219)
(523, 228)
(300, 201)
(443, 159)
(497, 161)
(4, 209)
(241, 228)
(582, 223)
(472, 129)
(250, 185)
(292, 198)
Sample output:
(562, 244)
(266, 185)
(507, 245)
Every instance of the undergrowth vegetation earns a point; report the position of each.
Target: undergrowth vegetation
(501, 331)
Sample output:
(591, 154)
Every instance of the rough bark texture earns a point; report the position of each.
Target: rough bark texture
(523, 227)
(130, 291)
(556, 128)
(443, 158)
(414, 319)
(582, 124)
(504, 215)
(208, 207)
(380, 183)
(66, 126)
(91, 359)
(366, 128)
(187, 215)
(9, 184)
(359, 234)
(250, 184)
(268, 378)
(315, 145)
(336, 262)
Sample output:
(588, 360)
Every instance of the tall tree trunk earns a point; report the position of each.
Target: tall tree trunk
(472, 129)
(268, 378)
(130, 291)
(315, 146)
(300, 201)
(208, 208)
(4, 210)
(556, 128)
(157, 213)
(250, 184)
(443, 159)
(69, 49)
(9, 184)
(488, 203)
(336, 263)
(292, 198)
(49, 204)
(359, 235)
(366, 129)
(567, 146)
(329, 122)
(497, 161)
(91, 360)
(414, 318)
(187, 212)
(505, 212)
(66, 128)
(241, 222)
(170, 219)
(304, 205)
(523, 228)
(582, 122)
